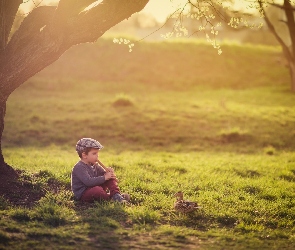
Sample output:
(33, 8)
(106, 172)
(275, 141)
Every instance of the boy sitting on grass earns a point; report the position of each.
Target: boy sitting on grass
(90, 181)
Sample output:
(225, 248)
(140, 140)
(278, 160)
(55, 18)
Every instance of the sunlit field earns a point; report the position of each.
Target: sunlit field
(172, 116)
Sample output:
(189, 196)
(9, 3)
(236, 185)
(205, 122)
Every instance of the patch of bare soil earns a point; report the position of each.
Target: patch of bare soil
(16, 191)
(22, 189)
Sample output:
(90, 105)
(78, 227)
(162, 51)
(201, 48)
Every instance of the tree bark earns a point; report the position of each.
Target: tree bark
(47, 32)
(8, 10)
(291, 25)
(4, 168)
(292, 74)
(2, 115)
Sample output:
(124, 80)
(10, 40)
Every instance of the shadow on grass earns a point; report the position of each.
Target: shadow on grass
(42, 209)
(104, 221)
(201, 221)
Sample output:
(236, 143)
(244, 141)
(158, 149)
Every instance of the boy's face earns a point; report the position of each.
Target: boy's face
(91, 157)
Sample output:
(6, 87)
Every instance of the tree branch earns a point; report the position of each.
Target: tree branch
(285, 48)
(93, 23)
(8, 10)
(290, 24)
(40, 40)
(68, 9)
(283, 7)
(30, 27)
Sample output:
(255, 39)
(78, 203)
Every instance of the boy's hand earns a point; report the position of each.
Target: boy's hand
(110, 170)
(109, 175)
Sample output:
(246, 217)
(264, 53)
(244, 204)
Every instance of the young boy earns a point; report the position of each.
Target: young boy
(90, 181)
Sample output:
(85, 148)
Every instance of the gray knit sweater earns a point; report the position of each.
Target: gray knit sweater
(85, 176)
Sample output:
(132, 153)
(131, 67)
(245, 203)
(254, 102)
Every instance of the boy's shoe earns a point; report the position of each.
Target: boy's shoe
(122, 198)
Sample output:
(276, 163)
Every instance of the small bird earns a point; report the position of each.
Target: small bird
(184, 206)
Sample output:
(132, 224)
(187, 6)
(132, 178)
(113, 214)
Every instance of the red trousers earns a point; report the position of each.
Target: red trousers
(97, 193)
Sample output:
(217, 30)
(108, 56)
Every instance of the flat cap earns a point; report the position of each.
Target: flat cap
(84, 143)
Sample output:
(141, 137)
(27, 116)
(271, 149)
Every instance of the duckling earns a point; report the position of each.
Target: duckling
(184, 206)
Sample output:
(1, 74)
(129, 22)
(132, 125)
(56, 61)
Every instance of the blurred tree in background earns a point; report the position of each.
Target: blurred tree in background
(208, 15)
(285, 34)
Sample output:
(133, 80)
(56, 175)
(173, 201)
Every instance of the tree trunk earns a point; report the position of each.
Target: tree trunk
(2, 115)
(292, 74)
(5, 169)
(289, 53)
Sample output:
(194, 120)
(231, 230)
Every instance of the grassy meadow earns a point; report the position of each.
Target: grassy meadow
(172, 116)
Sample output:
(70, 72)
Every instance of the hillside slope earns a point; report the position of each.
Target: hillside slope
(168, 96)
(173, 64)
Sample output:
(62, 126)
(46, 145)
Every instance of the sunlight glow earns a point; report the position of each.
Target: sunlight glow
(93, 5)
(163, 8)
(159, 9)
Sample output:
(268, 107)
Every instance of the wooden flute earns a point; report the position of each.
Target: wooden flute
(104, 167)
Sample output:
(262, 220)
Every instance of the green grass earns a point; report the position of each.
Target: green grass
(172, 116)
(245, 199)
